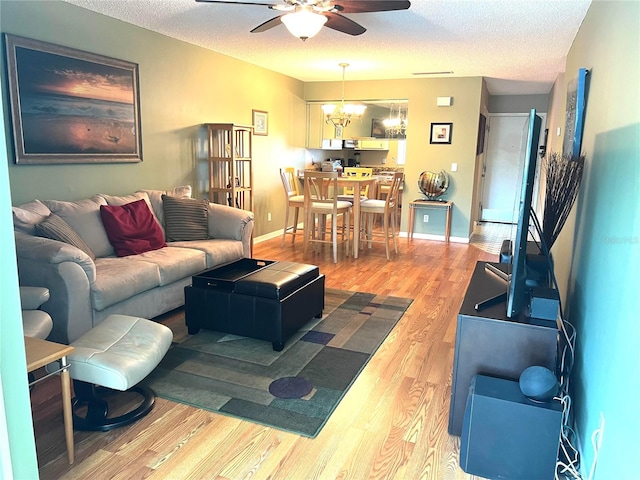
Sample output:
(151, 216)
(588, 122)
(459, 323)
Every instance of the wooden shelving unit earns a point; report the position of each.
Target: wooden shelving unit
(230, 170)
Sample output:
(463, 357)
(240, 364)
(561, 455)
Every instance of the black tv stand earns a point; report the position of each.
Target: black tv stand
(489, 343)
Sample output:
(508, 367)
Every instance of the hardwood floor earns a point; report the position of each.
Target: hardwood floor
(391, 424)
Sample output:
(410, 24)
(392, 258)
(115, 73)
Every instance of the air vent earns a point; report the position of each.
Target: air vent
(432, 73)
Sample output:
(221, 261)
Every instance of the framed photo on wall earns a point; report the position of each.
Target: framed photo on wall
(441, 133)
(71, 106)
(260, 122)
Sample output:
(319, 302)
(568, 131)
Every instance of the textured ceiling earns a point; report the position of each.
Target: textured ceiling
(520, 46)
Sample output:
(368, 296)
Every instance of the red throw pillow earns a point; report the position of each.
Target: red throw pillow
(131, 228)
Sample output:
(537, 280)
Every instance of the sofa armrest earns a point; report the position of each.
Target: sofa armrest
(68, 273)
(32, 297)
(47, 251)
(231, 223)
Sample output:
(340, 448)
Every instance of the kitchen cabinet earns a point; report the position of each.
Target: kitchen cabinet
(315, 125)
(372, 144)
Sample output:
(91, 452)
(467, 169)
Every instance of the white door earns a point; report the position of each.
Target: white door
(502, 174)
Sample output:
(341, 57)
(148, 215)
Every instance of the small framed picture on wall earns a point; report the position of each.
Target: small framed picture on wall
(260, 122)
(441, 133)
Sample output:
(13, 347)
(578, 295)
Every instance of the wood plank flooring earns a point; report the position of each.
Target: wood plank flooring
(392, 424)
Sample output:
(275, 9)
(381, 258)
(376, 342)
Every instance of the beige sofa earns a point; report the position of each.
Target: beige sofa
(87, 279)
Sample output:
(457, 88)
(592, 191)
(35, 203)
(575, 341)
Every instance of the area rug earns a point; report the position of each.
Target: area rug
(296, 389)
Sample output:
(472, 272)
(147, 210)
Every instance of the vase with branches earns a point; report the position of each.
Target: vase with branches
(564, 175)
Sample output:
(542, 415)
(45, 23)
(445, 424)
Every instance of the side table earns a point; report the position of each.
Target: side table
(421, 203)
(41, 353)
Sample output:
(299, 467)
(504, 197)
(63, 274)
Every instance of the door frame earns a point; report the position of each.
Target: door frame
(483, 163)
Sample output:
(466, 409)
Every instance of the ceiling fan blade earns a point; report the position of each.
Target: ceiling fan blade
(263, 27)
(342, 24)
(238, 3)
(364, 6)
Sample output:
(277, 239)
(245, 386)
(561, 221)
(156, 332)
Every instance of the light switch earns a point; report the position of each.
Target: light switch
(454, 167)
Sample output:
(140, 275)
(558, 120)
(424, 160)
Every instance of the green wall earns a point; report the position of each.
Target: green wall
(598, 253)
(181, 87)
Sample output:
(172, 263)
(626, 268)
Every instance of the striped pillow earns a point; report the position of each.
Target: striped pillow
(185, 219)
(56, 228)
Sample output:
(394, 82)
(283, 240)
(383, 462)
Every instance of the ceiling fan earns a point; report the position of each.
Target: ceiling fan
(305, 18)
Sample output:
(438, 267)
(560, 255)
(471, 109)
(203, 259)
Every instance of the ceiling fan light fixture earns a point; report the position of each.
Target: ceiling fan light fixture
(303, 23)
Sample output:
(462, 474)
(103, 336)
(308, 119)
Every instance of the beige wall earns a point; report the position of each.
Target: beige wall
(181, 87)
(421, 155)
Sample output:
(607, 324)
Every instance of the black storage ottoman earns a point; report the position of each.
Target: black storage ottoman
(254, 298)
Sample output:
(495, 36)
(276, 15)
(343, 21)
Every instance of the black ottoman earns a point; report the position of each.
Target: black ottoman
(255, 298)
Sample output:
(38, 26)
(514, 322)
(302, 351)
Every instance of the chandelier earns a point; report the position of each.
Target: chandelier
(346, 113)
(303, 23)
(396, 124)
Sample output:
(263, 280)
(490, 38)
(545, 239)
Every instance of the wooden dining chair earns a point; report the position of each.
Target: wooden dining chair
(388, 209)
(292, 176)
(293, 200)
(347, 193)
(320, 201)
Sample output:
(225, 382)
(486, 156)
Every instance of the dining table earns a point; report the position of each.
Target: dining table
(358, 184)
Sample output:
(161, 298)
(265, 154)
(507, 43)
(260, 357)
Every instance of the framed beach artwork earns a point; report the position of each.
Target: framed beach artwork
(70, 106)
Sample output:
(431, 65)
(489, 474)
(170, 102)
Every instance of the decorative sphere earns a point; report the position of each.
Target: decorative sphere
(432, 185)
(538, 384)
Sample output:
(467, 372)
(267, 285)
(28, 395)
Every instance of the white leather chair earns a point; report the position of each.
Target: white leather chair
(35, 322)
(117, 354)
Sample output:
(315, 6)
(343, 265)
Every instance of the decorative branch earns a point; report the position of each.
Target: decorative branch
(564, 175)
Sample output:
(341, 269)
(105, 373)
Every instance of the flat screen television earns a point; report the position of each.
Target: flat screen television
(519, 284)
(523, 272)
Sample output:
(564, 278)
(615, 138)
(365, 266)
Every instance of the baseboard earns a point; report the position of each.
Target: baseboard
(421, 236)
(440, 238)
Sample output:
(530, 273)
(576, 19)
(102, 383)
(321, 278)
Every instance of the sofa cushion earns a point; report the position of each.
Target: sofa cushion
(28, 215)
(155, 197)
(175, 263)
(84, 217)
(118, 200)
(55, 228)
(120, 278)
(217, 251)
(131, 228)
(185, 219)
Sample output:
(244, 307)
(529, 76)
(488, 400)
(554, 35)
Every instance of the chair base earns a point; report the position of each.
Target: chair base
(97, 418)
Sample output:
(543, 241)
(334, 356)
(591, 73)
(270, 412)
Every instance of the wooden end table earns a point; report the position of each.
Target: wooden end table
(41, 353)
(430, 204)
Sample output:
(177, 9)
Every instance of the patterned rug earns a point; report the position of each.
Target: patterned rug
(296, 389)
(488, 236)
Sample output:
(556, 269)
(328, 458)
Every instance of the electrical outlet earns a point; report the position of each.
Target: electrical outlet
(269, 217)
(426, 218)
